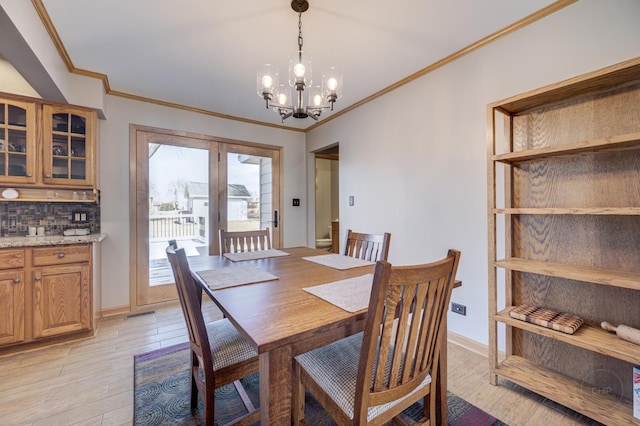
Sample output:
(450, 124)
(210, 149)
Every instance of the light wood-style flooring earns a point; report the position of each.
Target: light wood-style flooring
(91, 382)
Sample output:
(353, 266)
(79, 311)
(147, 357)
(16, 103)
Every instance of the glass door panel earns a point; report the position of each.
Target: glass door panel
(17, 159)
(17, 152)
(17, 116)
(178, 205)
(68, 145)
(78, 169)
(173, 181)
(68, 148)
(252, 196)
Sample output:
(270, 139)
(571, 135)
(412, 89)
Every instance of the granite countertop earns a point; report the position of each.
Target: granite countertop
(50, 240)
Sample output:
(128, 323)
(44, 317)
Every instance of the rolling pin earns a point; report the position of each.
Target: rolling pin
(624, 332)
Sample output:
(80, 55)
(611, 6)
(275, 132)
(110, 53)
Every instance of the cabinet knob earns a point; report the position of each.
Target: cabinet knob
(47, 175)
(37, 278)
(16, 280)
(60, 255)
(29, 174)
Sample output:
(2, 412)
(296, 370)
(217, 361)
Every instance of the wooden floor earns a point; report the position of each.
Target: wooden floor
(91, 382)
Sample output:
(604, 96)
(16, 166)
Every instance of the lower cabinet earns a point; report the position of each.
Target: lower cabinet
(56, 299)
(61, 300)
(12, 315)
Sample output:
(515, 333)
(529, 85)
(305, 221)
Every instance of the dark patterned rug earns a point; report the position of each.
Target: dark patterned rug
(162, 386)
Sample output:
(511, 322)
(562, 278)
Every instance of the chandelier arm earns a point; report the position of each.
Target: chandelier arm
(284, 116)
(281, 107)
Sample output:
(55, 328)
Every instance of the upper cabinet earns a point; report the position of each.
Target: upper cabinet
(68, 146)
(17, 142)
(47, 151)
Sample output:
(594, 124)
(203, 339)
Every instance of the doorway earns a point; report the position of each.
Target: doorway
(327, 210)
(186, 188)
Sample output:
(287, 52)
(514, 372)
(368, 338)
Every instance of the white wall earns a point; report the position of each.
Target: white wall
(415, 159)
(114, 178)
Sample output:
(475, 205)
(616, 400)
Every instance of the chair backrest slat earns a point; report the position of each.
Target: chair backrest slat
(241, 241)
(372, 247)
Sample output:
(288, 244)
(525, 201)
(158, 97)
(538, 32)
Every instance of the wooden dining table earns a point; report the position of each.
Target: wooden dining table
(281, 320)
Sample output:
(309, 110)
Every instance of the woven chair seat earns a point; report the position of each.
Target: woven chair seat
(338, 377)
(227, 344)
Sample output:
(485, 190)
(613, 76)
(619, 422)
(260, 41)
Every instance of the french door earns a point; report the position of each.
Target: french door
(188, 187)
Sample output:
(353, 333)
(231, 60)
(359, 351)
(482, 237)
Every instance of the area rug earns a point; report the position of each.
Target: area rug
(162, 386)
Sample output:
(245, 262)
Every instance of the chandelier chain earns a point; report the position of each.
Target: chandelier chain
(300, 41)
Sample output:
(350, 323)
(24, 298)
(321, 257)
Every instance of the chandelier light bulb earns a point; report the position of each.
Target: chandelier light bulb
(282, 98)
(298, 70)
(332, 84)
(267, 82)
(317, 100)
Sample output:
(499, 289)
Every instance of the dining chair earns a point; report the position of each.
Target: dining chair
(239, 241)
(219, 354)
(371, 377)
(372, 247)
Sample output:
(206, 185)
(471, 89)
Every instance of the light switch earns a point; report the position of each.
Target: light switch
(79, 216)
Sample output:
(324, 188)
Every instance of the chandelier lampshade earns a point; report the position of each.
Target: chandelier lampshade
(332, 85)
(319, 97)
(268, 82)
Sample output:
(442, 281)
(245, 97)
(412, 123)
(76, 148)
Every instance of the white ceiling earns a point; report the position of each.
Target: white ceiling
(204, 53)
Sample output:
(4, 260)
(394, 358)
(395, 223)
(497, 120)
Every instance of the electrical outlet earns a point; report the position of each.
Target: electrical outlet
(78, 216)
(351, 200)
(296, 202)
(458, 309)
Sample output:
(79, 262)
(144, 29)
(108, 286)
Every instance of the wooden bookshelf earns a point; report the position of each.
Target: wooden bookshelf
(564, 224)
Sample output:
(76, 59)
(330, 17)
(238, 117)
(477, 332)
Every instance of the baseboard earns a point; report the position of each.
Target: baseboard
(118, 310)
(127, 310)
(471, 345)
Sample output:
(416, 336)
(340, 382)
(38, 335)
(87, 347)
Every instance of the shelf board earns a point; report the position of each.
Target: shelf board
(595, 81)
(608, 143)
(567, 391)
(587, 337)
(603, 211)
(47, 200)
(610, 277)
(64, 195)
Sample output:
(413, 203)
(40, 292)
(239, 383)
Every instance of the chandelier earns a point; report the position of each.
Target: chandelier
(319, 97)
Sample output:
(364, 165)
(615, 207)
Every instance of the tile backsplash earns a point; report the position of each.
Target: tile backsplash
(16, 217)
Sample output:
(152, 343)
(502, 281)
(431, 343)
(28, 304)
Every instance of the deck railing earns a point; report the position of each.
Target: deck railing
(177, 226)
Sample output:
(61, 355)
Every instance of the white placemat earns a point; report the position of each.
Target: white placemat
(338, 261)
(253, 255)
(234, 275)
(351, 294)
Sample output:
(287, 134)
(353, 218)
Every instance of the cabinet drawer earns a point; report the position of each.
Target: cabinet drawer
(60, 255)
(10, 259)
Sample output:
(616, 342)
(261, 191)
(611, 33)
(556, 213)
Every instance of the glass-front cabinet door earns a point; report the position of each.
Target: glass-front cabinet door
(17, 142)
(68, 146)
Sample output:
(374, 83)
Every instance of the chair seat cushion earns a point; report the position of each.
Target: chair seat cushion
(334, 368)
(227, 344)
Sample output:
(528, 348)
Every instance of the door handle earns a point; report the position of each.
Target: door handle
(275, 218)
